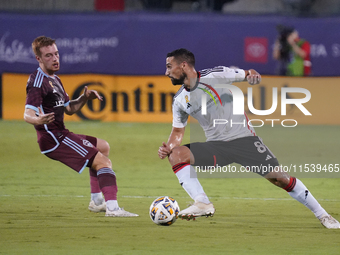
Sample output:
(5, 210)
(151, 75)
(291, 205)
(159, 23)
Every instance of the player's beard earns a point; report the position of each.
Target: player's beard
(180, 80)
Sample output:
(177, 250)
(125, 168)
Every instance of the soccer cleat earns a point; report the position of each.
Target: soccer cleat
(120, 212)
(97, 208)
(329, 222)
(198, 209)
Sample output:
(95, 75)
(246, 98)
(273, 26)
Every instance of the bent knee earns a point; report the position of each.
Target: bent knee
(103, 146)
(101, 161)
(179, 154)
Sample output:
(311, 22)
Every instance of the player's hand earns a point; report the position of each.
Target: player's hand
(291, 39)
(45, 118)
(253, 77)
(163, 151)
(92, 94)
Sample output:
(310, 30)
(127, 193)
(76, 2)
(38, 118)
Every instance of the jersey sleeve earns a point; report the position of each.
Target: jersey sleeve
(180, 118)
(233, 74)
(223, 74)
(33, 95)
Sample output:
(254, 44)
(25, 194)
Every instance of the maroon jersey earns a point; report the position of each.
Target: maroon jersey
(47, 93)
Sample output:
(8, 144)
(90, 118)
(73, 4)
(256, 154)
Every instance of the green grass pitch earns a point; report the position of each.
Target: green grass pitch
(43, 204)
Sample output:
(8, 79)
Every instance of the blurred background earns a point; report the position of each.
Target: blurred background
(254, 7)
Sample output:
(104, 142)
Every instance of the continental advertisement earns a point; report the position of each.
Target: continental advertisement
(284, 101)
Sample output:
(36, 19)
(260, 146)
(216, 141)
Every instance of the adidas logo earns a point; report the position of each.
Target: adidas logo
(268, 157)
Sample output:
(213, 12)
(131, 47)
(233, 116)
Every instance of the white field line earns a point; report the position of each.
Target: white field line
(143, 197)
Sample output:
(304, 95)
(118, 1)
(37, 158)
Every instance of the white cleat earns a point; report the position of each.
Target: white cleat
(97, 208)
(329, 222)
(120, 212)
(198, 209)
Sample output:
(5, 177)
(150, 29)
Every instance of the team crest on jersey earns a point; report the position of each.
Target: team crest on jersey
(87, 143)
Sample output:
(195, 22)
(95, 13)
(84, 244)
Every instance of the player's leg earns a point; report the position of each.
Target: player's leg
(78, 153)
(180, 159)
(252, 152)
(97, 202)
(297, 190)
(103, 146)
(258, 154)
(108, 186)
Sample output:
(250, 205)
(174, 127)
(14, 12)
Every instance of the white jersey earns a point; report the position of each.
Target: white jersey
(216, 115)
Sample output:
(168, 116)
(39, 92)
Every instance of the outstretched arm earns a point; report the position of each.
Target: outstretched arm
(252, 76)
(76, 104)
(175, 139)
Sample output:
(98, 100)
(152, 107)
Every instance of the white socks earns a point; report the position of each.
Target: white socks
(302, 194)
(112, 205)
(97, 198)
(187, 177)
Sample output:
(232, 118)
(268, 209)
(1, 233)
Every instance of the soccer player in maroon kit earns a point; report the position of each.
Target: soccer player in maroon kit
(46, 103)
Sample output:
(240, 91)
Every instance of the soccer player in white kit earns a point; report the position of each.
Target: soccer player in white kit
(232, 141)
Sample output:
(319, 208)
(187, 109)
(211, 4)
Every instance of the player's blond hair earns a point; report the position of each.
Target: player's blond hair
(40, 42)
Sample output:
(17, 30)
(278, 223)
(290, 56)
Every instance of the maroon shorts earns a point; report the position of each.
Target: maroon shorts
(75, 151)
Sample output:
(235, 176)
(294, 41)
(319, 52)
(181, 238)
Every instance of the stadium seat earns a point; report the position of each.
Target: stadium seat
(109, 5)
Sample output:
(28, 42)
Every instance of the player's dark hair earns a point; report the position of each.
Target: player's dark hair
(40, 42)
(181, 55)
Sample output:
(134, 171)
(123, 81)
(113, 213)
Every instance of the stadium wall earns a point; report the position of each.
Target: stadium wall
(149, 98)
(137, 43)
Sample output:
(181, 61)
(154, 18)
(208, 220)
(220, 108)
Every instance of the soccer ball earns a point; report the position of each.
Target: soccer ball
(164, 211)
